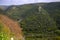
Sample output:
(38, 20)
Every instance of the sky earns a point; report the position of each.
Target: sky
(19, 2)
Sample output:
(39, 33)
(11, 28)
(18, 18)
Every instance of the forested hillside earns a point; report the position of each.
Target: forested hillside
(54, 10)
(40, 21)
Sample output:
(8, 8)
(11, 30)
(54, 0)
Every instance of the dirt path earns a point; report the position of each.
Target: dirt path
(13, 25)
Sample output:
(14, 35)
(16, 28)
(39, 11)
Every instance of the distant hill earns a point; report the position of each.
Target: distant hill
(18, 11)
(3, 7)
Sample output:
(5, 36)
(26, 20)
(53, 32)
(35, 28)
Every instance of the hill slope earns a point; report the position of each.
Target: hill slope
(13, 27)
(42, 19)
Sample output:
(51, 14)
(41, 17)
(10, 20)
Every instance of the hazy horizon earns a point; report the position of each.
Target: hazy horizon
(20, 2)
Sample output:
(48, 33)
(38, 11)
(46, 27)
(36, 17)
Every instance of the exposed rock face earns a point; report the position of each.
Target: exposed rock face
(13, 26)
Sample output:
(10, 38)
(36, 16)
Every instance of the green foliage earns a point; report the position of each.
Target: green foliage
(4, 36)
(1, 34)
(1, 26)
(16, 12)
(44, 22)
(54, 10)
(39, 22)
